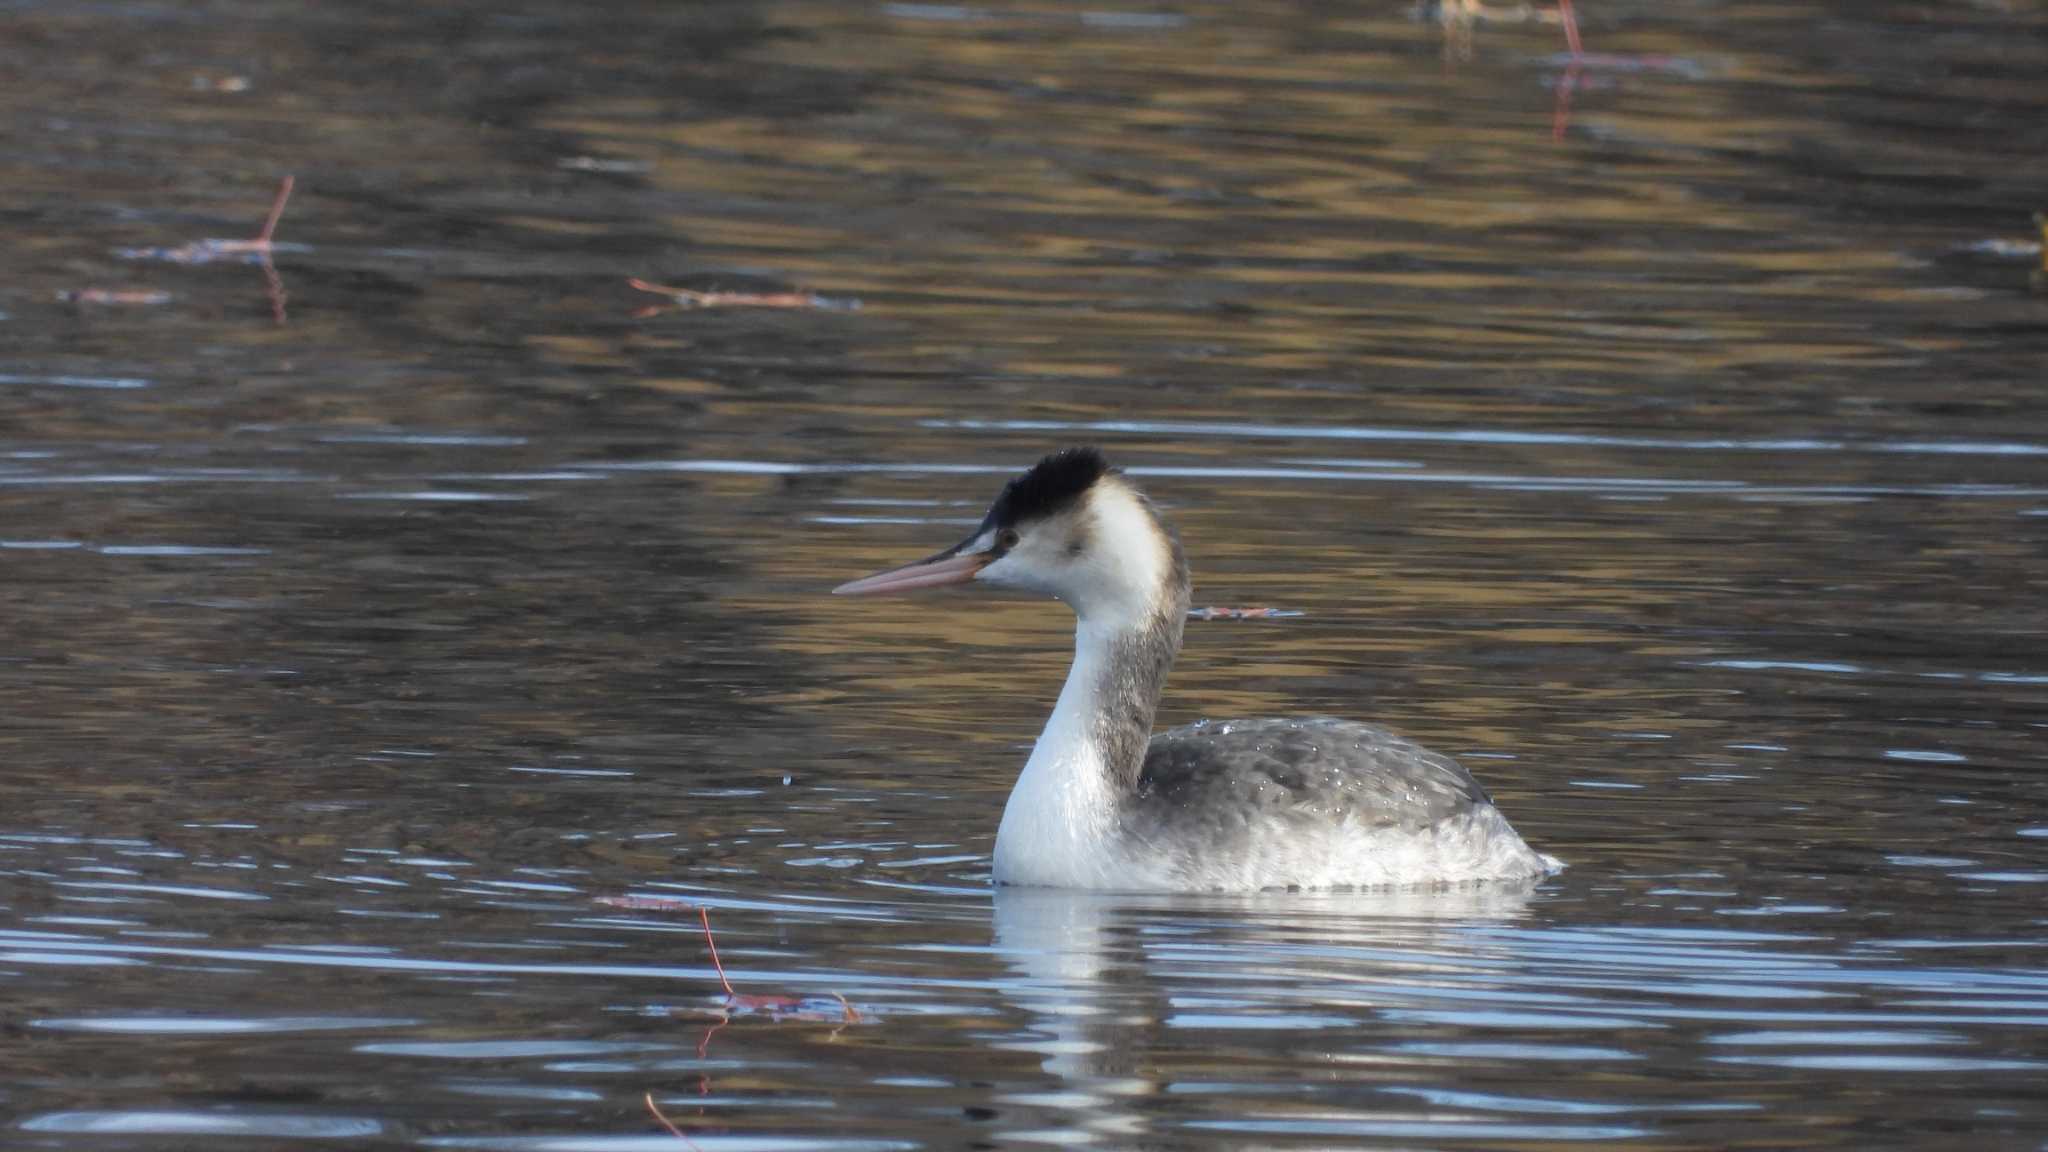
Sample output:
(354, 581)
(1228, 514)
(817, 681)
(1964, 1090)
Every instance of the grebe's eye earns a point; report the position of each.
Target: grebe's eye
(1006, 539)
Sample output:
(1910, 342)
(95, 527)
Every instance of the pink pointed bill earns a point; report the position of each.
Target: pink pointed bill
(936, 572)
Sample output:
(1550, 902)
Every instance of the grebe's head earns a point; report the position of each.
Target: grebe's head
(1071, 527)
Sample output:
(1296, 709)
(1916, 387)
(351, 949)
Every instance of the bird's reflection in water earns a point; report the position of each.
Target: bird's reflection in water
(1104, 977)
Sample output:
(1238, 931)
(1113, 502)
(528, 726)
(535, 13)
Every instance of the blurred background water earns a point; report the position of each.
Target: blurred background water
(1661, 429)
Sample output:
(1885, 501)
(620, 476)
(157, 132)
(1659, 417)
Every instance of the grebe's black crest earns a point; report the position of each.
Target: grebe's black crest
(1052, 485)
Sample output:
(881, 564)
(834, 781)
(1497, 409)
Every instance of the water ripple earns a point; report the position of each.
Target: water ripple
(166, 1123)
(1501, 436)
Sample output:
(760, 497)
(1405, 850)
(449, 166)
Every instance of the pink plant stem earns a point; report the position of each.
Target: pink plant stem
(1561, 114)
(665, 1122)
(1571, 27)
(704, 915)
(284, 193)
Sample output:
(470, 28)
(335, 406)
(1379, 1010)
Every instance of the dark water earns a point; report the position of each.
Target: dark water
(1687, 474)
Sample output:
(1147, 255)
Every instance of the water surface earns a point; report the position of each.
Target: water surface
(407, 636)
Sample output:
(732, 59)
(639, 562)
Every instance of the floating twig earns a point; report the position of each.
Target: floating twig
(603, 164)
(776, 1007)
(208, 250)
(261, 246)
(114, 296)
(688, 299)
(647, 903)
(1252, 613)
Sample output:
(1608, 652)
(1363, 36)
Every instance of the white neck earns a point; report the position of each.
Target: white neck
(1059, 826)
(1129, 592)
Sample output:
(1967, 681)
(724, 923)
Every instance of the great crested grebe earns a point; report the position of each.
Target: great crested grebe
(1233, 804)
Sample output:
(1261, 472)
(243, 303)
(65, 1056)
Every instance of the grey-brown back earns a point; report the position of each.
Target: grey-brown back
(1212, 780)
